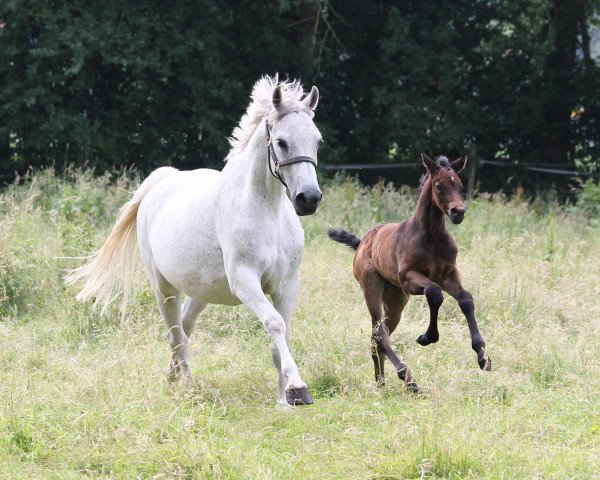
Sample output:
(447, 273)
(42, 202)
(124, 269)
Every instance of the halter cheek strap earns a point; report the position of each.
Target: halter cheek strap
(287, 161)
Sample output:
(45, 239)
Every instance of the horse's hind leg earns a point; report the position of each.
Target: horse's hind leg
(168, 304)
(190, 309)
(167, 298)
(374, 290)
(394, 301)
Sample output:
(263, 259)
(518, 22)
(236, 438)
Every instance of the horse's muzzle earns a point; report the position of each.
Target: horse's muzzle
(457, 214)
(307, 201)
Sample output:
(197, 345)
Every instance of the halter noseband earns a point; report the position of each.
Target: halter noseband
(287, 161)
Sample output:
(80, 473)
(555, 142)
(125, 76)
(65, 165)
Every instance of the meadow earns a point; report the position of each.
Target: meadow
(86, 396)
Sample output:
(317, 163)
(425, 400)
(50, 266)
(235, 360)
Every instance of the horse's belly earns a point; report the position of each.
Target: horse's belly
(216, 292)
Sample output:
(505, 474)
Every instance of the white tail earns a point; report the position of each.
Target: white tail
(110, 271)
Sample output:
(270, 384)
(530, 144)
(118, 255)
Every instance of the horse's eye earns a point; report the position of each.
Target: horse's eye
(282, 144)
(438, 186)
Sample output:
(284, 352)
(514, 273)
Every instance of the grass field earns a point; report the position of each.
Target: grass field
(84, 396)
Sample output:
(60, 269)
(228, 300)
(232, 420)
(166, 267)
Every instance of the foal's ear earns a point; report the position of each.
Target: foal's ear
(277, 97)
(312, 98)
(430, 164)
(459, 163)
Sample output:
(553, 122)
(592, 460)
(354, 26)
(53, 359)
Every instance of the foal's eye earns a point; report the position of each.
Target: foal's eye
(282, 144)
(438, 186)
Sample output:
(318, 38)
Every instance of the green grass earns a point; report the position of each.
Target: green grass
(83, 396)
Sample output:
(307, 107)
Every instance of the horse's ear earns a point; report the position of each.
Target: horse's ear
(312, 98)
(430, 164)
(459, 163)
(277, 97)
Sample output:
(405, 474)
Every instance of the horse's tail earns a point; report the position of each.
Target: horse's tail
(342, 236)
(111, 270)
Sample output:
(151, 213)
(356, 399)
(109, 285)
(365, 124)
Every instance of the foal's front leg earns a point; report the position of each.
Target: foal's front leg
(416, 283)
(453, 286)
(245, 284)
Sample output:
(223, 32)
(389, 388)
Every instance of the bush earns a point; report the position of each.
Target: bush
(588, 199)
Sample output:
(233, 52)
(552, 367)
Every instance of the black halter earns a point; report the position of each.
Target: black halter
(287, 161)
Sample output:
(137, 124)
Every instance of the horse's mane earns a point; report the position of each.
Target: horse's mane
(261, 106)
(442, 162)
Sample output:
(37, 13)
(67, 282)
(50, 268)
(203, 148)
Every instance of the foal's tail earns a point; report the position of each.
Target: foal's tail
(110, 271)
(342, 236)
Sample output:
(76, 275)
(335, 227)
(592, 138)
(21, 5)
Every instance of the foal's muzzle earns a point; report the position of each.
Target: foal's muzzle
(307, 201)
(457, 214)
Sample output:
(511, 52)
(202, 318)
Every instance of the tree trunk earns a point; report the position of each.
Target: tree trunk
(558, 92)
(304, 32)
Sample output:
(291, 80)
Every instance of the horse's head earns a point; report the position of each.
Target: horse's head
(446, 185)
(295, 139)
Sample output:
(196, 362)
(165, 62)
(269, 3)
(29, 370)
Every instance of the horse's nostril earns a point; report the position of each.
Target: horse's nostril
(301, 198)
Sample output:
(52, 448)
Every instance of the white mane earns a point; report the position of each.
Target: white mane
(261, 106)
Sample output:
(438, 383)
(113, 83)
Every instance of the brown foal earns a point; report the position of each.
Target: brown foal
(416, 257)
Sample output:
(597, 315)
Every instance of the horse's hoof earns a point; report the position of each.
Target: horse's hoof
(485, 363)
(409, 382)
(173, 373)
(413, 387)
(283, 406)
(424, 340)
(298, 396)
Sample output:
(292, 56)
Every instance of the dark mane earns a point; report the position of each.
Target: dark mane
(442, 162)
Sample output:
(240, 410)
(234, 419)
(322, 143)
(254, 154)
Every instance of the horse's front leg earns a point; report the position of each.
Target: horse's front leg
(245, 284)
(284, 302)
(416, 283)
(453, 286)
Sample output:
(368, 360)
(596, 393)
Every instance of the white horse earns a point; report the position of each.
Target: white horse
(226, 237)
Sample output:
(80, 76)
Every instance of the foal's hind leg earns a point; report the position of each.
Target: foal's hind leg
(373, 286)
(394, 301)
(416, 283)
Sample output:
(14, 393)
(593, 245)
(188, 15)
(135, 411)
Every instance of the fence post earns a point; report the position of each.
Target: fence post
(472, 172)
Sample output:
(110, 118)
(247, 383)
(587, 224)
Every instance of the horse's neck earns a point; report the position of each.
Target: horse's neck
(250, 169)
(427, 214)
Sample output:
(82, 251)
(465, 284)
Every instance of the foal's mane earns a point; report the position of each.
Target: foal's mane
(261, 106)
(442, 162)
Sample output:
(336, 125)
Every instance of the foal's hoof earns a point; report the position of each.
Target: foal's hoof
(298, 396)
(413, 387)
(424, 340)
(410, 383)
(485, 362)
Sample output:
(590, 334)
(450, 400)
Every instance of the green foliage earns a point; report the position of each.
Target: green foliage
(588, 199)
(18, 256)
(152, 83)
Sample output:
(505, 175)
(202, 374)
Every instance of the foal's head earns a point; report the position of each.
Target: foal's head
(446, 185)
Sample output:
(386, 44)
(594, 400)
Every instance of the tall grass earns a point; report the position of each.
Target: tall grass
(84, 396)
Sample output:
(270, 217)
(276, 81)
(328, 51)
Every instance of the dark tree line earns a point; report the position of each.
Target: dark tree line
(150, 83)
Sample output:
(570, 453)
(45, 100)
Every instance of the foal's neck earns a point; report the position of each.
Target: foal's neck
(427, 214)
